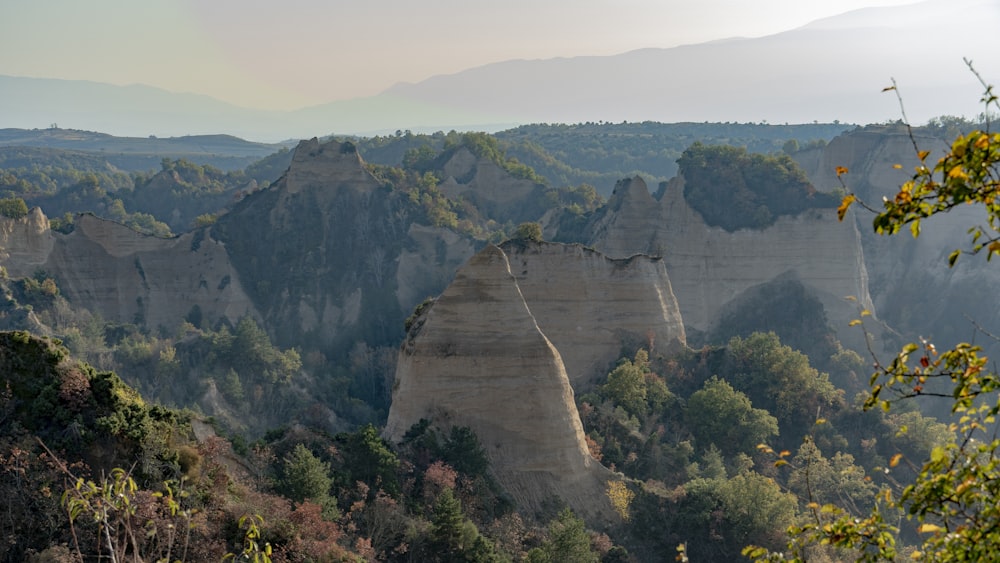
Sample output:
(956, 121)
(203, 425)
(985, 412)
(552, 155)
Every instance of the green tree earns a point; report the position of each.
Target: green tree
(528, 232)
(568, 542)
(734, 189)
(718, 414)
(305, 477)
(13, 207)
(952, 497)
(836, 480)
(447, 526)
(755, 508)
(626, 386)
(369, 459)
(463, 451)
(780, 379)
(454, 538)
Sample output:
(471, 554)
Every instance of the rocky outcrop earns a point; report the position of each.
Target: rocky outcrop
(710, 266)
(477, 358)
(417, 276)
(127, 276)
(496, 193)
(25, 243)
(911, 285)
(325, 257)
(592, 307)
(335, 255)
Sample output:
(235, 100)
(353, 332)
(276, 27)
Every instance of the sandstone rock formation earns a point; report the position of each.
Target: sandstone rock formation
(335, 256)
(123, 275)
(477, 358)
(25, 243)
(591, 306)
(492, 189)
(911, 285)
(710, 267)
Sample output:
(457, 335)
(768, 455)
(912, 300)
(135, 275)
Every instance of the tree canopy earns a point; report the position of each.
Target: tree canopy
(734, 189)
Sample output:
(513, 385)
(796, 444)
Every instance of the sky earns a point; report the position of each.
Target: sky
(266, 54)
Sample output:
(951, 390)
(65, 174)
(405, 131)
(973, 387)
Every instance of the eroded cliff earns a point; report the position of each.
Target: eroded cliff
(911, 285)
(335, 255)
(709, 266)
(477, 358)
(127, 276)
(592, 307)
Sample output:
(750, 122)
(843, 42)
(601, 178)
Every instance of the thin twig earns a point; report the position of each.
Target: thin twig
(906, 120)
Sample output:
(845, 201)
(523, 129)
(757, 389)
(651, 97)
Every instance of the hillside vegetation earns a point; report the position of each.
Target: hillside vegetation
(291, 464)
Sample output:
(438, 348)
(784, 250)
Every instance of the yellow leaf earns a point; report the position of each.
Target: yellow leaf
(784, 453)
(845, 204)
(780, 462)
(923, 154)
(820, 421)
(841, 170)
(854, 322)
(957, 172)
(994, 247)
(865, 313)
(929, 528)
(982, 142)
(897, 166)
(895, 460)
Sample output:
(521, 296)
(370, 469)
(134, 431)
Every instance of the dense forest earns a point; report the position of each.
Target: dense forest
(107, 451)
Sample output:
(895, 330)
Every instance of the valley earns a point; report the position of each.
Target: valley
(470, 346)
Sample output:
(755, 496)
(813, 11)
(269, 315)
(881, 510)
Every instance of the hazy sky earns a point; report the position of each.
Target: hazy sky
(294, 53)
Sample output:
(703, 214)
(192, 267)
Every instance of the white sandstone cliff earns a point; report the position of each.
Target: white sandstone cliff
(477, 358)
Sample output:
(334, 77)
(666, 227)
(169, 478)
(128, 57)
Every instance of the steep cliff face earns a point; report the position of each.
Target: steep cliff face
(334, 255)
(25, 243)
(709, 267)
(477, 358)
(591, 306)
(911, 285)
(127, 276)
(417, 275)
(492, 189)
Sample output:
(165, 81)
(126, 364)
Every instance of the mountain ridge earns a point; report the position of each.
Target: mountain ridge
(802, 74)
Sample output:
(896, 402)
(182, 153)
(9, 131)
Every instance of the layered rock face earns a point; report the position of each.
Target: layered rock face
(124, 275)
(336, 257)
(333, 257)
(477, 358)
(25, 243)
(493, 190)
(590, 306)
(911, 285)
(710, 267)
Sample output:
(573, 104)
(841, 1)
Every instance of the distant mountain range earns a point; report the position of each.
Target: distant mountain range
(831, 69)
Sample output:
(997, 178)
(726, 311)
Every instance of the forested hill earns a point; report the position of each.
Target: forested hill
(139, 153)
(600, 154)
(286, 304)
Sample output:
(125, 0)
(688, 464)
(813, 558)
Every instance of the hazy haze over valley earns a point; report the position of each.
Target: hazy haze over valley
(305, 68)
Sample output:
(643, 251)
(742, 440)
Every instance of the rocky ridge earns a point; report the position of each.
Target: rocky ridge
(911, 286)
(335, 255)
(496, 193)
(478, 358)
(710, 267)
(125, 275)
